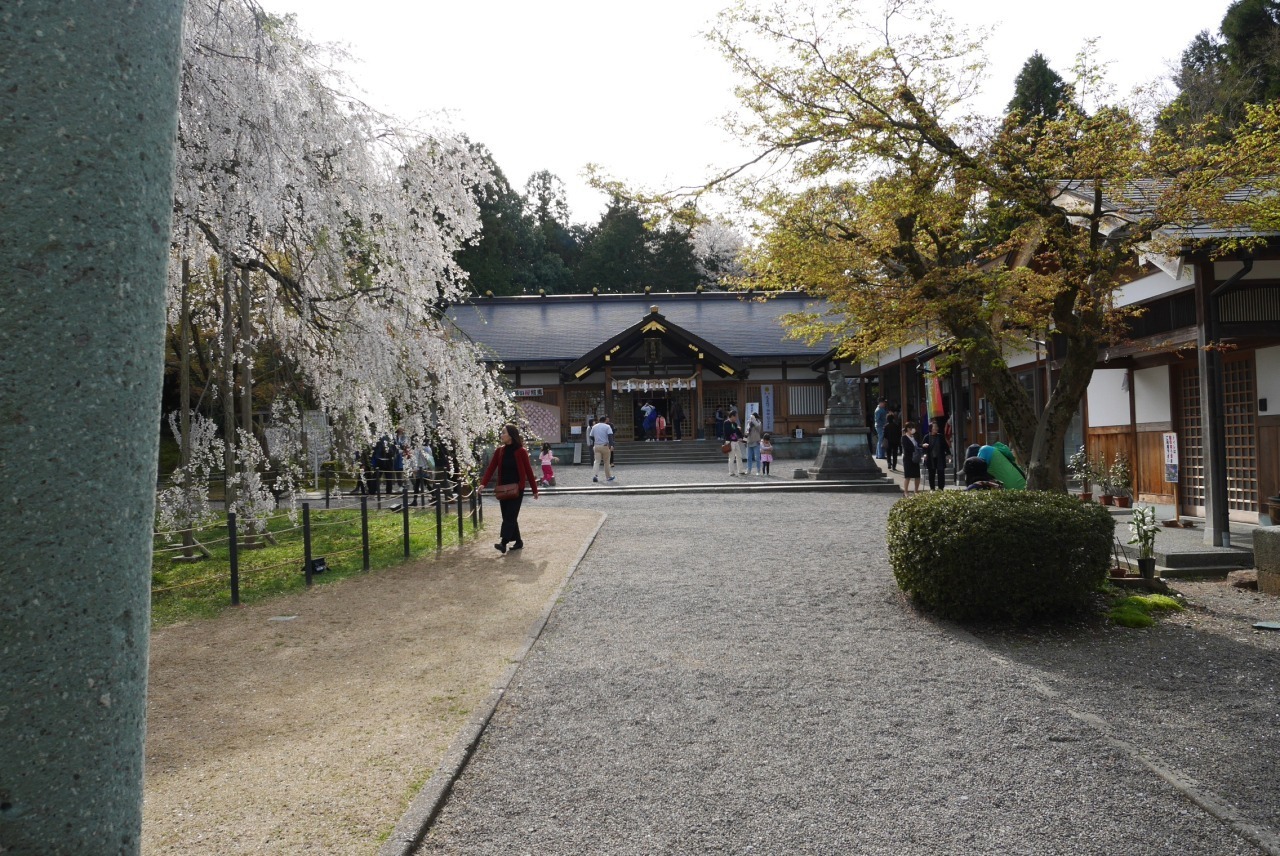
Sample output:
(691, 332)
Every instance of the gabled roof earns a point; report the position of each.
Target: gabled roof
(564, 328)
(675, 337)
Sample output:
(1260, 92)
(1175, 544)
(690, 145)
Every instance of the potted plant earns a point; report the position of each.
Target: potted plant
(1121, 479)
(1142, 531)
(1098, 470)
(1082, 468)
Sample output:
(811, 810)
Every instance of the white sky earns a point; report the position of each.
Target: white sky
(558, 84)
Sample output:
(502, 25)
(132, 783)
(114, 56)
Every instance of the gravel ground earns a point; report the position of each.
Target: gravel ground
(738, 673)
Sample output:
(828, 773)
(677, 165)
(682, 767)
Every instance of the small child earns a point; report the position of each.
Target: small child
(766, 453)
(547, 459)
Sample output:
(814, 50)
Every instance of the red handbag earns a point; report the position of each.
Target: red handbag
(507, 491)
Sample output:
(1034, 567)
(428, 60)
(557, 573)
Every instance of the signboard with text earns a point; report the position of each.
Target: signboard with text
(1170, 457)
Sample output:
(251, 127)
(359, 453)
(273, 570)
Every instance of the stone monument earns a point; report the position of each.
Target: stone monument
(845, 451)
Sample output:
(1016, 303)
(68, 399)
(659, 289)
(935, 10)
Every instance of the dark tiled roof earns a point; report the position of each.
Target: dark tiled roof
(565, 327)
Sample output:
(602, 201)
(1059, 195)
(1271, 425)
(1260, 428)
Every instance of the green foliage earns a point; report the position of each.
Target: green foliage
(185, 591)
(1136, 611)
(1038, 90)
(1003, 555)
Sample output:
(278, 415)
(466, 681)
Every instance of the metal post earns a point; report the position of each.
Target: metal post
(327, 477)
(479, 503)
(306, 540)
(437, 498)
(404, 511)
(461, 534)
(364, 530)
(235, 558)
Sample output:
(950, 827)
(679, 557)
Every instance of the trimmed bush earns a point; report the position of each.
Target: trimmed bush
(1001, 555)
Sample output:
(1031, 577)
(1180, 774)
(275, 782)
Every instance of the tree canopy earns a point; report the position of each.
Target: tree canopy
(882, 183)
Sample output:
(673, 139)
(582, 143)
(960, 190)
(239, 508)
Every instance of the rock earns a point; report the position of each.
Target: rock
(1269, 582)
(1266, 548)
(1243, 579)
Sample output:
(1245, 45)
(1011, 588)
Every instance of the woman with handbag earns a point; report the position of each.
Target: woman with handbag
(510, 462)
(912, 455)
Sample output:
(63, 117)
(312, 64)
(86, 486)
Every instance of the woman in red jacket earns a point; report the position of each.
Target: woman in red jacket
(511, 462)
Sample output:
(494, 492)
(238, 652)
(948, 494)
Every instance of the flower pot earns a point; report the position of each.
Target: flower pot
(1107, 499)
(1147, 567)
(1086, 497)
(1124, 502)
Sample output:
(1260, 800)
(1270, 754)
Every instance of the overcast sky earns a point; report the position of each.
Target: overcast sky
(635, 88)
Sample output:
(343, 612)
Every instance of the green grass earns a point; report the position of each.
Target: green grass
(185, 591)
(1136, 610)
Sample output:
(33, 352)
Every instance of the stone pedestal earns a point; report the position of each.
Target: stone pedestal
(1266, 557)
(844, 452)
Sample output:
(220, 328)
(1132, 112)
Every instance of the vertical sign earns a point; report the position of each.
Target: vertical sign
(766, 406)
(1171, 457)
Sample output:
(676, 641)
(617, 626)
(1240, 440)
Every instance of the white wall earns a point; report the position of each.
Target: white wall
(1269, 378)
(539, 379)
(1108, 398)
(1151, 395)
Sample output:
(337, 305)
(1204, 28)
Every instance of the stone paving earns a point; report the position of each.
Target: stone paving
(736, 672)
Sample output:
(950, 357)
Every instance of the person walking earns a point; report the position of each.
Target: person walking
(510, 462)
(601, 435)
(892, 439)
(733, 436)
(911, 457)
(936, 454)
(881, 416)
(547, 460)
(719, 423)
(751, 439)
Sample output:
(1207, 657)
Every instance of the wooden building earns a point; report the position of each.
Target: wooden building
(573, 357)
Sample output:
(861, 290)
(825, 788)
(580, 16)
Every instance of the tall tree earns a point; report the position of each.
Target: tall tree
(1218, 76)
(1038, 91)
(895, 171)
(615, 256)
(500, 258)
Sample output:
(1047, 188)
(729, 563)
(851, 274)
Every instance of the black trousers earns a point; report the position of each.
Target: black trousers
(892, 448)
(937, 473)
(511, 519)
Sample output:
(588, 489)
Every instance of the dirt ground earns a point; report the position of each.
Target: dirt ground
(312, 734)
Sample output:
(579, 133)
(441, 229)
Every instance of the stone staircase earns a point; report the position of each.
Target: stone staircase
(665, 452)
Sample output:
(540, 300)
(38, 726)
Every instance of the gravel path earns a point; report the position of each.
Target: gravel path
(738, 673)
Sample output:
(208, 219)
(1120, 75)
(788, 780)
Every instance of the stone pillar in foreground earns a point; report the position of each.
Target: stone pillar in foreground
(90, 94)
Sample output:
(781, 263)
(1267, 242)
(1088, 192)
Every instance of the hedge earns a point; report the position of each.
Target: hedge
(999, 555)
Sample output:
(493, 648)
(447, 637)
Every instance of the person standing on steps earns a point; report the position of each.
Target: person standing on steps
(676, 418)
(892, 439)
(881, 416)
(911, 457)
(601, 436)
(510, 462)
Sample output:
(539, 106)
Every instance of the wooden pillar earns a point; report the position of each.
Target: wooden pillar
(699, 407)
(608, 388)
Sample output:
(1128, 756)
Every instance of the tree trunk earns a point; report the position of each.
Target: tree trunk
(227, 386)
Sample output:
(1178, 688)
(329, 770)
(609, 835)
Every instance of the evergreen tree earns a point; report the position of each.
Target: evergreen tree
(1219, 75)
(502, 257)
(1038, 91)
(615, 256)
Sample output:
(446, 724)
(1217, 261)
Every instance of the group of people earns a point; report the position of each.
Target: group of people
(655, 425)
(931, 452)
(749, 447)
(393, 462)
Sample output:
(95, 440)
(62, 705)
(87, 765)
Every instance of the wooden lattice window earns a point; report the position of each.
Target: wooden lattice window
(1239, 436)
(584, 403)
(1190, 439)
